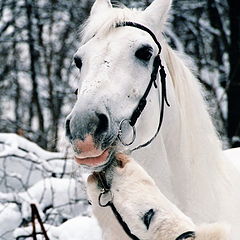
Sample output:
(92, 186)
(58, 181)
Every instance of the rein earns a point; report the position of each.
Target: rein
(106, 192)
(143, 101)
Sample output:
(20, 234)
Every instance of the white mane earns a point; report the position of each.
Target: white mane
(210, 176)
(103, 24)
(196, 123)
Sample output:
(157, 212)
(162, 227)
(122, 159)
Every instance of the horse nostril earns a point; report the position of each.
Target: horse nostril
(102, 124)
(68, 132)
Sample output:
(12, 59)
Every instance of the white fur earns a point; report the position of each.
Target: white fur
(214, 231)
(185, 160)
(134, 194)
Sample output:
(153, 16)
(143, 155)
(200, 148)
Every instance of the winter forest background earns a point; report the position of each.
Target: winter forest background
(38, 39)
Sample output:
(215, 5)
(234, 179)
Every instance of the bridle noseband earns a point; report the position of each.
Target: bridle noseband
(143, 101)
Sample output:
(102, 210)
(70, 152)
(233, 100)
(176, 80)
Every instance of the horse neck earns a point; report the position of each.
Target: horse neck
(200, 174)
(197, 136)
(186, 159)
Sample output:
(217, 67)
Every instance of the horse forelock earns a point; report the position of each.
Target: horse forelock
(105, 22)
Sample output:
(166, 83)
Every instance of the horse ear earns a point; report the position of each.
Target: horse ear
(157, 11)
(100, 6)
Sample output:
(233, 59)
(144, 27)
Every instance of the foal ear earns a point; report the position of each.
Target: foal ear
(100, 6)
(158, 11)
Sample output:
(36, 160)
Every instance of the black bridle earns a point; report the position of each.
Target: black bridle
(143, 101)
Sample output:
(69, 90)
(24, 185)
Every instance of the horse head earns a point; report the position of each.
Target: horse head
(115, 65)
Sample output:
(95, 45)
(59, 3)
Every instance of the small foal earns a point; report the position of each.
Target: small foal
(128, 205)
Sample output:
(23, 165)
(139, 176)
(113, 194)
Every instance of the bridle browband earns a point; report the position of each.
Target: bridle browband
(143, 101)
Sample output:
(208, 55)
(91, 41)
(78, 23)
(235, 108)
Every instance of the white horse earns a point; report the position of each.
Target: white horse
(187, 161)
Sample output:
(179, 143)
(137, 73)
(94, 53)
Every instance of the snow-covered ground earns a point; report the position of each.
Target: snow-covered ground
(29, 174)
(81, 227)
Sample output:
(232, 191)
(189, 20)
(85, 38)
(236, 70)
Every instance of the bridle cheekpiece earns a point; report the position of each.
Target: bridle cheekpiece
(143, 101)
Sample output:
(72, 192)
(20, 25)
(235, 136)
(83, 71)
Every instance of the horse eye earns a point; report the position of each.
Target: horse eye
(78, 62)
(144, 53)
(76, 92)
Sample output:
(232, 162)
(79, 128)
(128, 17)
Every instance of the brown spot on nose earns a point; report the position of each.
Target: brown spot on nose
(86, 148)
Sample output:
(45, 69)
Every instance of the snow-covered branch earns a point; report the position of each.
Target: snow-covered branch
(29, 174)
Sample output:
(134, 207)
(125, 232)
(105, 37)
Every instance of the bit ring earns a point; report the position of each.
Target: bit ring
(104, 193)
(120, 133)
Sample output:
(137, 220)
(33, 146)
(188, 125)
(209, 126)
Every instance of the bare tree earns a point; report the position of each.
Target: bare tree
(38, 40)
(36, 63)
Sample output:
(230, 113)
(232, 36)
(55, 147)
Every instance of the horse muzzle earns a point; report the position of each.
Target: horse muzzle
(91, 135)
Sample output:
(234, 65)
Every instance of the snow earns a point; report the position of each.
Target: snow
(13, 142)
(82, 227)
(23, 163)
(70, 230)
(58, 193)
(10, 217)
(61, 201)
(29, 174)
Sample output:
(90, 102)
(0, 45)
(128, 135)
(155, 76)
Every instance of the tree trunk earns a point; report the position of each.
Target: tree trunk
(35, 97)
(17, 95)
(234, 77)
(215, 21)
